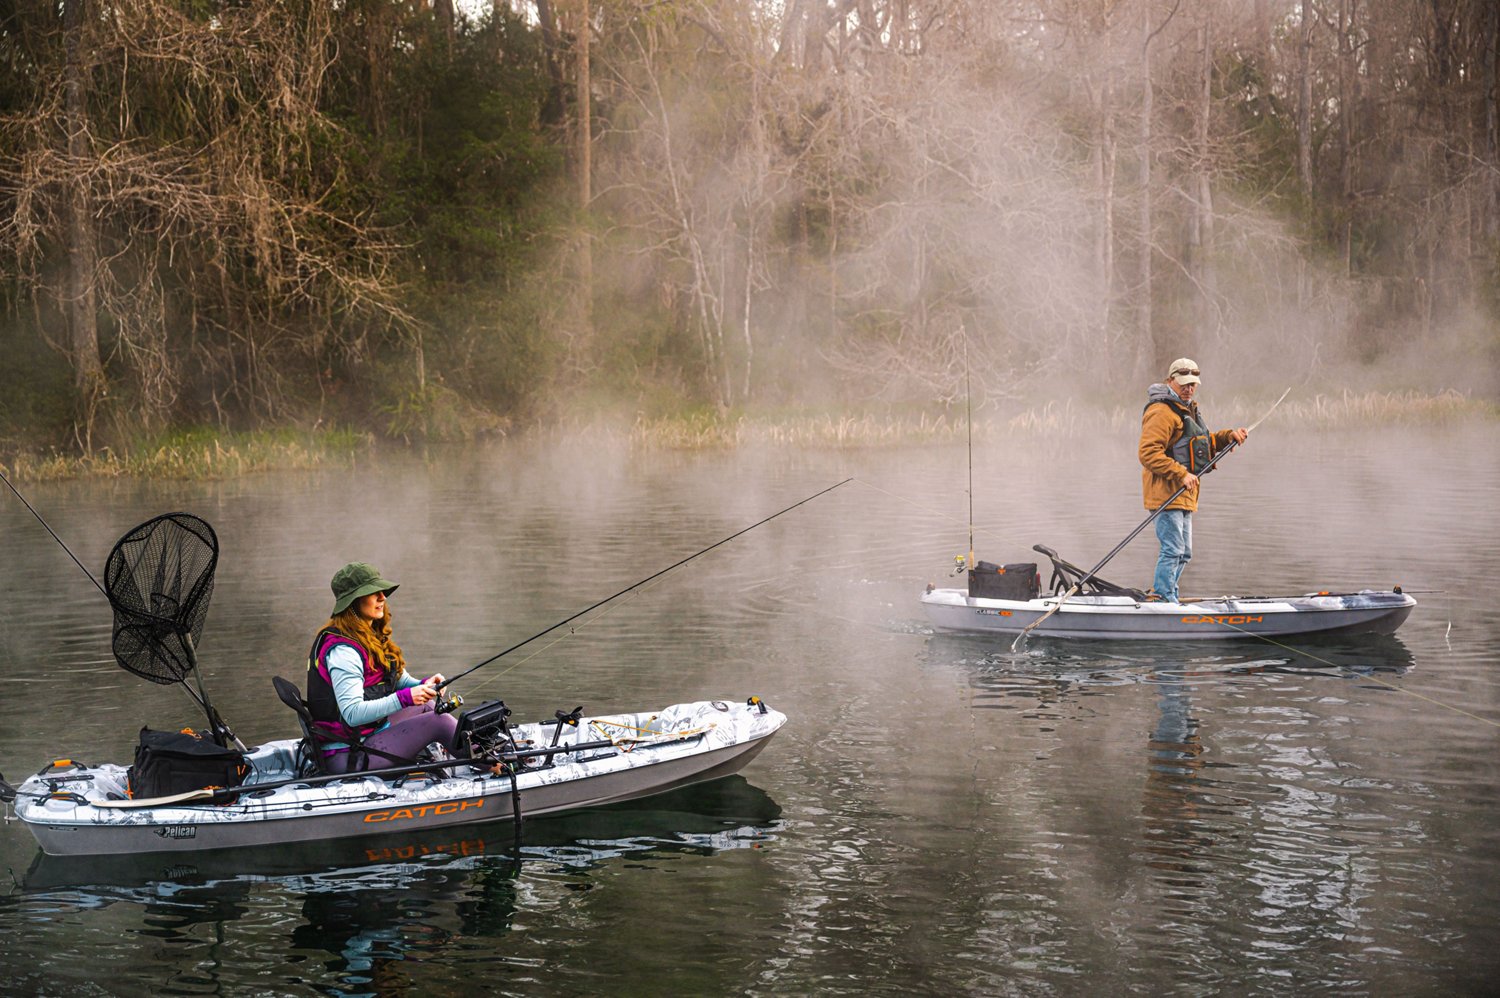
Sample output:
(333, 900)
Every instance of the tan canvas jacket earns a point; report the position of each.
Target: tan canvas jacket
(1160, 475)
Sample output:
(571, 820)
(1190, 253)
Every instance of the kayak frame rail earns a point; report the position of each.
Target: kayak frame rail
(486, 765)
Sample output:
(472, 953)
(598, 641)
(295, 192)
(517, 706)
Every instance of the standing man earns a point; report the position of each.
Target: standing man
(1175, 446)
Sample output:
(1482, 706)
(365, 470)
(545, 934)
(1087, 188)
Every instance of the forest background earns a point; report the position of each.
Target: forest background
(437, 219)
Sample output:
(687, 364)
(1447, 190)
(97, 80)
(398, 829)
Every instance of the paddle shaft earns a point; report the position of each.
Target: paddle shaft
(1073, 590)
(637, 585)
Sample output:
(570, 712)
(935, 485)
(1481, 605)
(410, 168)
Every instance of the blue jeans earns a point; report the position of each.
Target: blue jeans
(1174, 528)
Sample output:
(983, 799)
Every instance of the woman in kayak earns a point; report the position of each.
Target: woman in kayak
(368, 711)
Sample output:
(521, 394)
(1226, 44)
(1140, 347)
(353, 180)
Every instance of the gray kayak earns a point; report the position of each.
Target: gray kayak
(1006, 599)
(84, 810)
(1214, 619)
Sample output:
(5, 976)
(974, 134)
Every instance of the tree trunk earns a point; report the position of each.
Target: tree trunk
(1304, 101)
(376, 42)
(552, 109)
(1263, 28)
(1146, 349)
(443, 11)
(1201, 232)
(585, 174)
(1104, 177)
(1348, 100)
(83, 330)
(1444, 238)
(1491, 84)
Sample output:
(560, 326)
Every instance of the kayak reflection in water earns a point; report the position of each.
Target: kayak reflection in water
(1174, 445)
(368, 711)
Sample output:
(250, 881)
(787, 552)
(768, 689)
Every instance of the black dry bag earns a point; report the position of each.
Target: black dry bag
(174, 762)
(1013, 582)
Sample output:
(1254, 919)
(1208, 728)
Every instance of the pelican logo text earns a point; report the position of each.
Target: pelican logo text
(178, 831)
(1238, 618)
(426, 810)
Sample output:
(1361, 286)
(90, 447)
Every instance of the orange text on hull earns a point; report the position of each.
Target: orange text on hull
(426, 810)
(1239, 618)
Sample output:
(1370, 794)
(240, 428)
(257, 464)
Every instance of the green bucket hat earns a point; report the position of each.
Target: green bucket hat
(354, 580)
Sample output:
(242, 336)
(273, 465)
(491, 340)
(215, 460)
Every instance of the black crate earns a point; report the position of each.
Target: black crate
(1019, 581)
(173, 762)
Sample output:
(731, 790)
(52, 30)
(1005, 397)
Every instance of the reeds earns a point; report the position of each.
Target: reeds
(198, 454)
(1065, 418)
(705, 431)
(1386, 408)
(207, 454)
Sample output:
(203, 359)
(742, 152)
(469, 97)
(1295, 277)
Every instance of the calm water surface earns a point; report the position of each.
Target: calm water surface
(940, 816)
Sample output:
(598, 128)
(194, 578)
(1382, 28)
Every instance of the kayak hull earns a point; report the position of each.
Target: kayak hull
(682, 744)
(1219, 619)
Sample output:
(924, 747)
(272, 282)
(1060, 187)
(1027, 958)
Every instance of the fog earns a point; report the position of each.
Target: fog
(985, 242)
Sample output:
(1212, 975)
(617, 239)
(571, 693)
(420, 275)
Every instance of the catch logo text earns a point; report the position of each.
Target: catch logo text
(426, 810)
(1238, 618)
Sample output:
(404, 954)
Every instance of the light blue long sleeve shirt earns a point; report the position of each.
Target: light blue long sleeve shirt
(348, 675)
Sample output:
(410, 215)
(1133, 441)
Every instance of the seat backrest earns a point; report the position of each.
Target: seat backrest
(292, 697)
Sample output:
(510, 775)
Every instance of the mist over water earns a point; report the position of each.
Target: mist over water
(939, 814)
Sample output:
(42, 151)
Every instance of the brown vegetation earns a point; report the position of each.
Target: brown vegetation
(424, 219)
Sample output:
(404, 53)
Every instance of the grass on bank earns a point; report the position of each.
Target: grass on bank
(208, 454)
(701, 430)
(198, 453)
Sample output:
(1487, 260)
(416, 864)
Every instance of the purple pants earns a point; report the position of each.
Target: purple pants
(409, 731)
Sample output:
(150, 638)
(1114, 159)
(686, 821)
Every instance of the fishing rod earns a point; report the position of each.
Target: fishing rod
(49, 530)
(637, 585)
(1021, 638)
(969, 427)
(200, 697)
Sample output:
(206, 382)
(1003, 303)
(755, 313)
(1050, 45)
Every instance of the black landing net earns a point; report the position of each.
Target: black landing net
(159, 580)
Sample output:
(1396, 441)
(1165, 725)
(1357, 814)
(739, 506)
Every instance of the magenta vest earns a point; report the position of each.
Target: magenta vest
(321, 701)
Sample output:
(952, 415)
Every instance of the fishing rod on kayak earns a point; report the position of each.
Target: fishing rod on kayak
(969, 428)
(637, 585)
(158, 580)
(1021, 638)
(49, 530)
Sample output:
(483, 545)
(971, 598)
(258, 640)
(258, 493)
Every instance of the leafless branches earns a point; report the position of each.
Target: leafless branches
(215, 244)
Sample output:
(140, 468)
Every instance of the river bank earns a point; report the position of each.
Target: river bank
(204, 454)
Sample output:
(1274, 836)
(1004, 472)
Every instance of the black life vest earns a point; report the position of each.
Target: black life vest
(1195, 447)
(321, 701)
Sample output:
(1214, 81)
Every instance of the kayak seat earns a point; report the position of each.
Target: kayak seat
(1065, 575)
(309, 759)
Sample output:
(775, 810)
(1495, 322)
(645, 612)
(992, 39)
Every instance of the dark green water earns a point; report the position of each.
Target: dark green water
(939, 816)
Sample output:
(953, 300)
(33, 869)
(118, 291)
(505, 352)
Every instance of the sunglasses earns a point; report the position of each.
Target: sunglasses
(1183, 370)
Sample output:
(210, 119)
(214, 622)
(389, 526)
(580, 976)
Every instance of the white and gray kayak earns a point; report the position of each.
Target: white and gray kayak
(1007, 599)
(75, 809)
(1217, 618)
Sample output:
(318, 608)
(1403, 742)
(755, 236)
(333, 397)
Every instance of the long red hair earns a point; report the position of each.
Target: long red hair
(373, 635)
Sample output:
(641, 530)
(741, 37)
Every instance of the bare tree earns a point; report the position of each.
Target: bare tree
(215, 249)
(83, 331)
